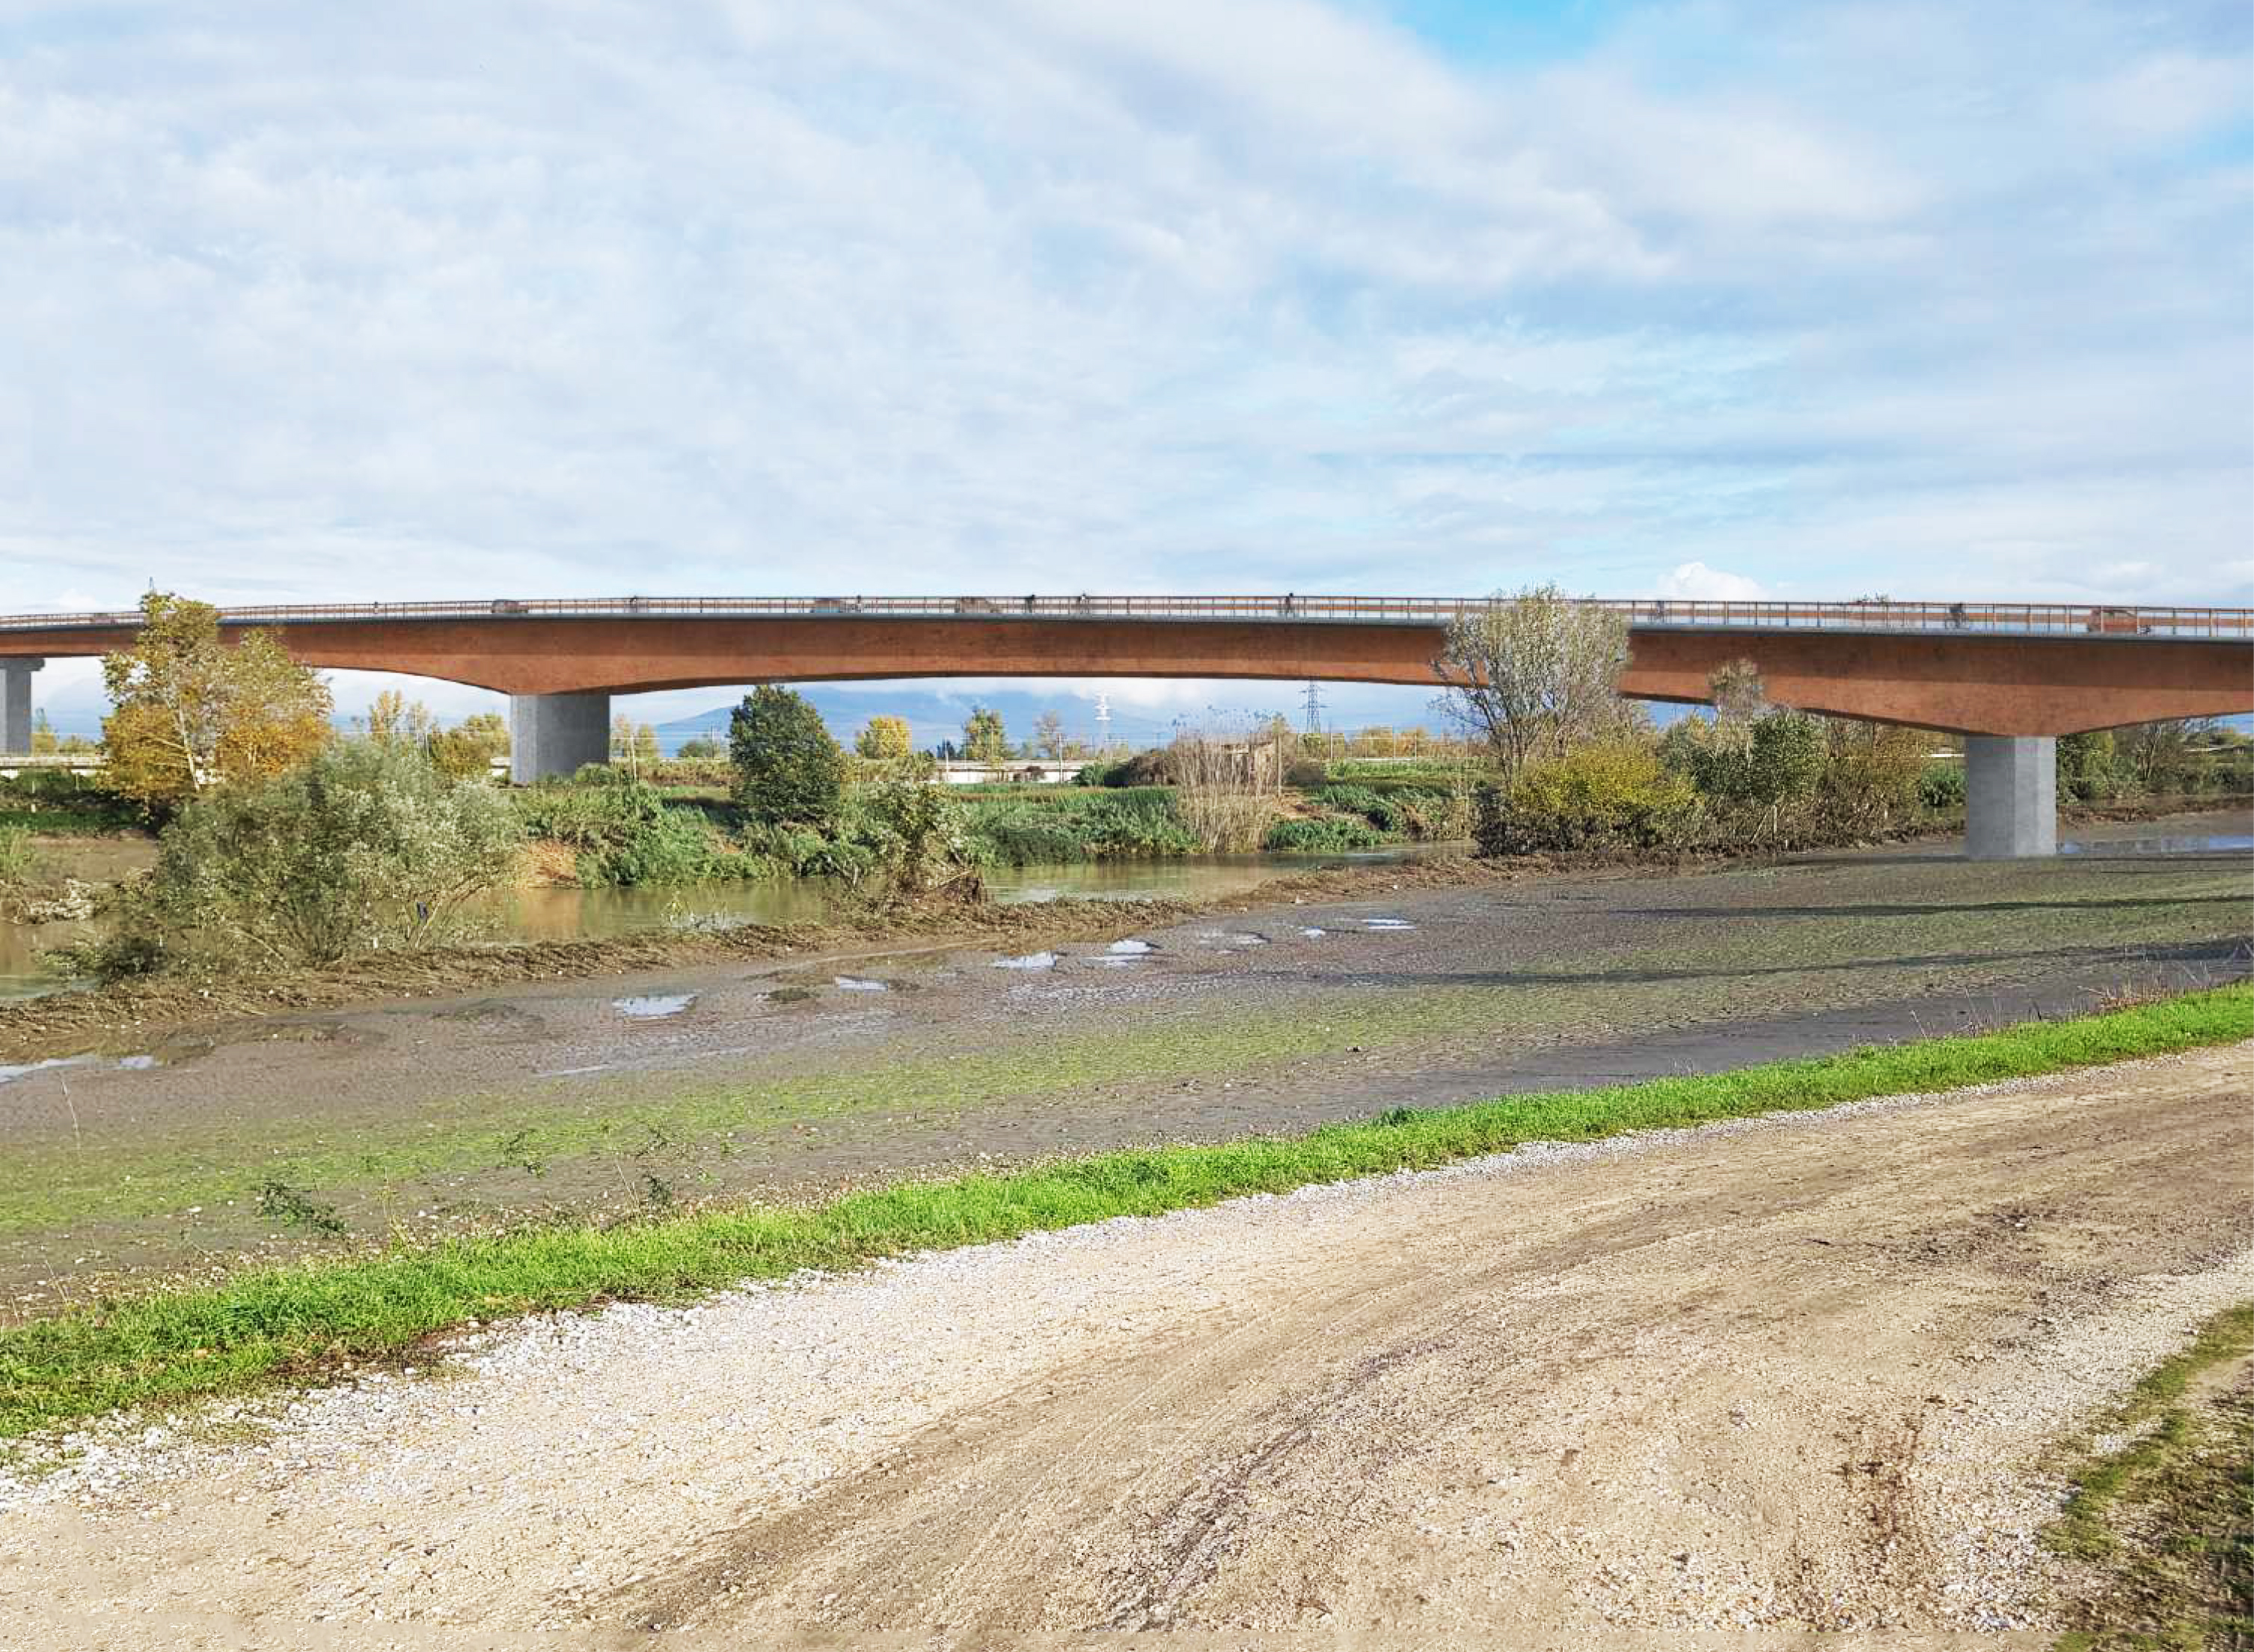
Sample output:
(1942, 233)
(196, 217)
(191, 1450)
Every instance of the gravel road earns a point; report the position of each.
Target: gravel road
(1792, 1373)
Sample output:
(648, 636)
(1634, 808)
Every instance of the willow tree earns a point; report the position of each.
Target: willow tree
(1535, 674)
(189, 711)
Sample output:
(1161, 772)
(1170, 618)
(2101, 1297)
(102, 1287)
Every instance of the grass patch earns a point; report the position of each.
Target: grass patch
(297, 1320)
(2169, 1516)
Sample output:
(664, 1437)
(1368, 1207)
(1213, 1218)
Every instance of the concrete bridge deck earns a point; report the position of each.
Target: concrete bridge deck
(2011, 675)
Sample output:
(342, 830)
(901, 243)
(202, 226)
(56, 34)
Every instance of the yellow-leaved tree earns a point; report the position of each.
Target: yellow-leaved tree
(189, 712)
(885, 739)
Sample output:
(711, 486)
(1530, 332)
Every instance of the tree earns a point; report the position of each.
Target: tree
(1534, 675)
(1048, 737)
(2086, 766)
(985, 739)
(189, 712)
(2165, 756)
(633, 746)
(788, 769)
(470, 748)
(1737, 692)
(42, 734)
(885, 739)
(393, 719)
(701, 748)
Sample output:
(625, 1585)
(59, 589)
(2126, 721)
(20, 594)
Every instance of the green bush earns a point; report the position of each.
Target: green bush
(1400, 809)
(1941, 787)
(1027, 826)
(788, 769)
(1615, 794)
(62, 801)
(368, 848)
(21, 865)
(1778, 757)
(1327, 832)
(2086, 767)
(627, 833)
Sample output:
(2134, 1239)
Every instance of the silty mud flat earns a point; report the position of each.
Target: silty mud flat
(775, 1078)
(1796, 1373)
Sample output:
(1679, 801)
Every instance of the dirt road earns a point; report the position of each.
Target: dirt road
(1791, 1374)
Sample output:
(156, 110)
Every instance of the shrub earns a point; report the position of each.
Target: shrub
(1941, 787)
(54, 800)
(1777, 757)
(1870, 776)
(2086, 768)
(788, 769)
(1153, 767)
(1326, 832)
(1613, 793)
(21, 867)
(1026, 828)
(366, 848)
(627, 833)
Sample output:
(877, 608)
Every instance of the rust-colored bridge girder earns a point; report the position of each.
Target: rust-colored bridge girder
(1990, 670)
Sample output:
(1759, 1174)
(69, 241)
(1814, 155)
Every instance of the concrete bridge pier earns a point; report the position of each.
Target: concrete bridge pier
(16, 704)
(2010, 796)
(552, 734)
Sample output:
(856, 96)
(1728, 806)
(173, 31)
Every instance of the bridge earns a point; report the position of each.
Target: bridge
(2010, 676)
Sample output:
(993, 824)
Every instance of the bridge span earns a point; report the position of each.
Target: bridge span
(2011, 676)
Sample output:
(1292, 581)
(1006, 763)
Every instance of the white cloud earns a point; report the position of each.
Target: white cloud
(1695, 579)
(428, 300)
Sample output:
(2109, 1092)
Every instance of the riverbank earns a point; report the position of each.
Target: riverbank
(124, 1016)
(795, 1076)
(245, 1331)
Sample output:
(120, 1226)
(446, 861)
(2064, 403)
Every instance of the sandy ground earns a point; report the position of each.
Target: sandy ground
(1793, 1374)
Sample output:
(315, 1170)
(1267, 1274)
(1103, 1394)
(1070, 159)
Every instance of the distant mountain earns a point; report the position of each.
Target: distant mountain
(936, 714)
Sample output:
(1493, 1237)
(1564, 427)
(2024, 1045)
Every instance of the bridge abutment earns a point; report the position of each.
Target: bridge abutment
(2010, 796)
(552, 734)
(16, 704)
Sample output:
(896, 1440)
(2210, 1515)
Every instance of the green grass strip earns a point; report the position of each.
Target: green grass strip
(300, 1320)
(2086, 1527)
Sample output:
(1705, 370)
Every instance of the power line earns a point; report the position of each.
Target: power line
(1314, 706)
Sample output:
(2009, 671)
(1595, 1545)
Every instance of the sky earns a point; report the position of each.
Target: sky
(583, 297)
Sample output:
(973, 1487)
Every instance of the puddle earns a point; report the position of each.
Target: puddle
(1031, 961)
(124, 1064)
(1246, 939)
(1108, 962)
(574, 1072)
(1387, 923)
(10, 1074)
(656, 1007)
(1311, 933)
(2158, 845)
(856, 983)
(1129, 948)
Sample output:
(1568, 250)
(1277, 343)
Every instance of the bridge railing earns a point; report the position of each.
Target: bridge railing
(2016, 617)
